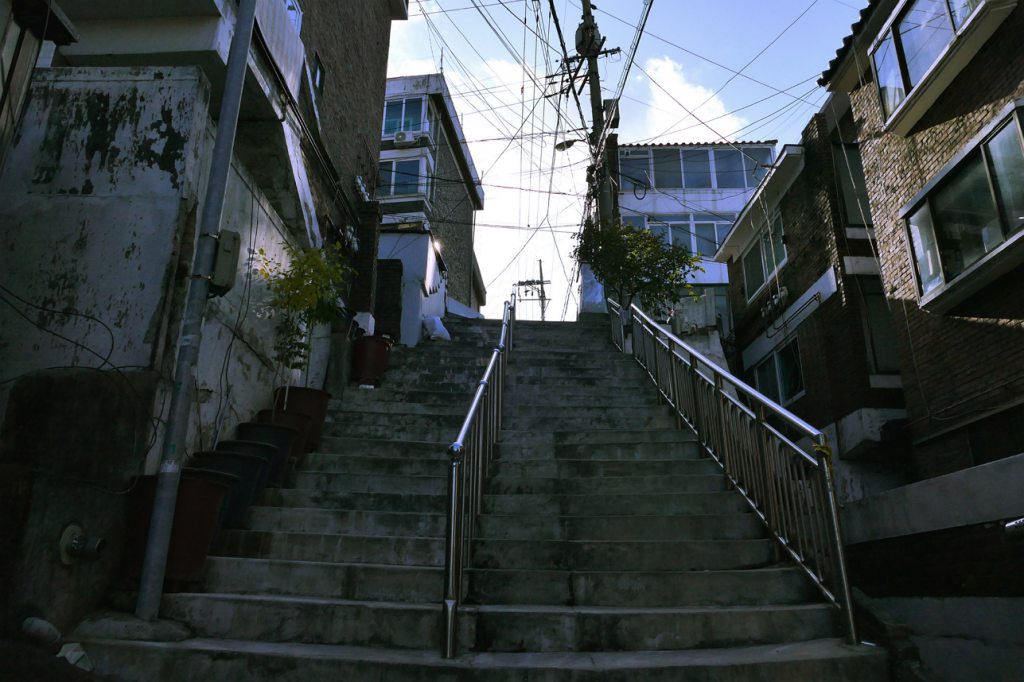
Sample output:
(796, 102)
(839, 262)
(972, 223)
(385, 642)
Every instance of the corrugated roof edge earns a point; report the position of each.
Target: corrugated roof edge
(698, 144)
(841, 53)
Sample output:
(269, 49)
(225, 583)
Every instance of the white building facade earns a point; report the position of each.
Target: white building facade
(691, 194)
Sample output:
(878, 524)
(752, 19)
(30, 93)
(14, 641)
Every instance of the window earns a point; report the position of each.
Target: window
(699, 232)
(635, 170)
(971, 211)
(668, 173)
(19, 49)
(916, 41)
(319, 75)
(766, 254)
(881, 339)
(687, 168)
(779, 377)
(637, 221)
(853, 188)
(403, 115)
(399, 178)
(729, 169)
(295, 12)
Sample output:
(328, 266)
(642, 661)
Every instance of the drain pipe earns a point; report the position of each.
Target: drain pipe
(151, 587)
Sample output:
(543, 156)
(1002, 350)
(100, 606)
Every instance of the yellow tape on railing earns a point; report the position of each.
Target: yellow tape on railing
(826, 453)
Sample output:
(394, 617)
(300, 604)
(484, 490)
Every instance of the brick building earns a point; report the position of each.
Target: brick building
(812, 329)
(936, 90)
(428, 191)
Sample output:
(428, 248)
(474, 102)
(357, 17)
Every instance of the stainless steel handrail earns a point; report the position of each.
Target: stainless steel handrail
(748, 434)
(470, 454)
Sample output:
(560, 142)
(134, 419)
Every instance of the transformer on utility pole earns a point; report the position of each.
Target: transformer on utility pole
(536, 287)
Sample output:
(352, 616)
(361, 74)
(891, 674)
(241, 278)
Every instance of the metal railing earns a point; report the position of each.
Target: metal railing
(470, 454)
(752, 438)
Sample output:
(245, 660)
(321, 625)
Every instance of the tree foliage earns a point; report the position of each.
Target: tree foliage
(636, 264)
(306, 292)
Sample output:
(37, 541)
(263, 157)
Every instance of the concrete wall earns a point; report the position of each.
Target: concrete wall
(419, 277)
(101, 196)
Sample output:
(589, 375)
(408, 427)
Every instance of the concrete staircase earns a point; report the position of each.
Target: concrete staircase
(608, 549)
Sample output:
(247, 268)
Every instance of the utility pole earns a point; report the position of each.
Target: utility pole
(588, 45)
(536, 286)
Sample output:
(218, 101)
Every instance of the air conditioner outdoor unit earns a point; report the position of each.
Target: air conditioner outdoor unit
(404, 139)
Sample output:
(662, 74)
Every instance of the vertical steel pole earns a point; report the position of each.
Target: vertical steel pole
(151, 587)
(453, 553)
(841, 588)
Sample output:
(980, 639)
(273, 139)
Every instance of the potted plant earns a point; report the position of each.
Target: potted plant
(636, 264)
(304, 293)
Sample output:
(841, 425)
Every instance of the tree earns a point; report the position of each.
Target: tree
(637, 264)
(306, 293)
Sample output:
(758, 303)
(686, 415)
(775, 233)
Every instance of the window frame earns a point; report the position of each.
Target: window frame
(422, 184)
(750, 180)
(296, 17)
(1004, 257)
(319, 75)
(774, 356)
(403, 100)
(964, 43)
(758, 238)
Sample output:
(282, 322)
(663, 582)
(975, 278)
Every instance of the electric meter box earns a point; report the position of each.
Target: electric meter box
(225, 266)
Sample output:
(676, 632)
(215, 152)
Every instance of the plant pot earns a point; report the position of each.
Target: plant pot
(248, 447)
(309, 401)
(250, 469)
(192, 531)
(230, 480)
(295, 420)
(370, 357)
(281, 437)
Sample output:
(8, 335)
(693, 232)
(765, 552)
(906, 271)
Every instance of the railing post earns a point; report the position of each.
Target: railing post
(694, 388)
(723, 431)
(453, 553)
(841, 587)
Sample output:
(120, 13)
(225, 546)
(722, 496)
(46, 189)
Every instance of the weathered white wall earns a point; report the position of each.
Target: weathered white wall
(101, 195)
(419, 275)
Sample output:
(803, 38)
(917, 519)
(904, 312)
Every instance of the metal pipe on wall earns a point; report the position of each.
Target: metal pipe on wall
(151, 587)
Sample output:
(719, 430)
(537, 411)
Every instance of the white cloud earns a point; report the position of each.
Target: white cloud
(667, 120)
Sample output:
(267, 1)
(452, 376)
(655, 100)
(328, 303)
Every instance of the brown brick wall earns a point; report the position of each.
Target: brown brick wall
(451, 221)
(832, 341)
(972, 358)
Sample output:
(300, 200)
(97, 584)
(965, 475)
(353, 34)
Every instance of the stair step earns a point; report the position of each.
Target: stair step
(362, 464)
(228, 576)
(639, 528)
(620, 485)
(700, 555)
(754, 587)
(344, 522)
(379, 447)
(385, 502)
(374, 483)
(334, 548)
(600, 468)
(822, 660)
(626, 452)
(620, 505)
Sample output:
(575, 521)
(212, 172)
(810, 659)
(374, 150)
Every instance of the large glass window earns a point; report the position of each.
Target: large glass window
(635, 170)
(924, 31)
(852, 184)
(399, 178)
(755, 162)
(914, 43)
(779, 377)
(403, 115)
(972, 211)
(880, 335)
(765, 256)
(729, 169)
(668, 172)
(697, 168)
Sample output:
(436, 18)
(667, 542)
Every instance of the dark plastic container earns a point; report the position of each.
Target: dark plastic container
(309, 401)
(281, 437)
(296, 420)
(230, 480)
(250, 469)
(248, 447)
(370, 358)
(192, 532)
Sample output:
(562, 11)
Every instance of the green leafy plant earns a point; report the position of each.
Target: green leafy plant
(637, 264)
(305, 293)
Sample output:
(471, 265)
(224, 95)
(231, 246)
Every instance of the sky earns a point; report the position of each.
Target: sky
(497, 56)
